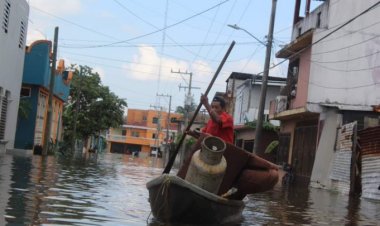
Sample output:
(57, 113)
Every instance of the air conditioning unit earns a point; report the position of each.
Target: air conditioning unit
(281, 102)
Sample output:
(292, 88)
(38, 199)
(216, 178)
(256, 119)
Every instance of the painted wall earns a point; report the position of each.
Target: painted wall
(288, 127)
(25, 127)
(12, 45)
(37, 69)
(242, 110)
(36, 75)
(325, 150)
(345, 66)
(302, 81)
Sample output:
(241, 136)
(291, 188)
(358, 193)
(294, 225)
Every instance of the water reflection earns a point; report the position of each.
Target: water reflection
(110, 190)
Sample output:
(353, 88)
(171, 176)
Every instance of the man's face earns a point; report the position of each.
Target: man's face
(216, 107)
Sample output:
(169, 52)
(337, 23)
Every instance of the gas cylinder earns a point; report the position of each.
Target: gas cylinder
(208, 165)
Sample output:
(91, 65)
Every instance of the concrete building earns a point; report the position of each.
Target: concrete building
(333, 79)
(35, 93)
(144, 132)
(243, 94)
(13, 30)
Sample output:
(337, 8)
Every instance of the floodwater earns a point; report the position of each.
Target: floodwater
(109, 189)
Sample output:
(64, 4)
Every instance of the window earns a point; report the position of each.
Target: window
(299, 31)
(135, 134)
(173, 120)
(124, 132)
(25, 92)
(154, 136)
(319, 20)
(6, 13)
(22, 35)
(3, 112)
(144, 118)
(155, 120)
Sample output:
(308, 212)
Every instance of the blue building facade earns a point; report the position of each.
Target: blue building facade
(34, 95)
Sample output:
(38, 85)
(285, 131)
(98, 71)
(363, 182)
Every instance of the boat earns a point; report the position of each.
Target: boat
(174, 200)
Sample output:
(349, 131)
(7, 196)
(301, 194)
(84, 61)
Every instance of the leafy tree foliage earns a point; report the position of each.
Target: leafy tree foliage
(93, 104)
(266, 125)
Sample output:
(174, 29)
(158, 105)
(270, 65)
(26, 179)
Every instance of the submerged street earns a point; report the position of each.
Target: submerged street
(109, 189)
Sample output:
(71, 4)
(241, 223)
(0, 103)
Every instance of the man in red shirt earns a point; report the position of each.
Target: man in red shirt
(220, 123)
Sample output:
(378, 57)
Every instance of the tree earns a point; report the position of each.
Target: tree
(98, 108)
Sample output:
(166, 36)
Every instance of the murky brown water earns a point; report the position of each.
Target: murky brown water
(110, 189)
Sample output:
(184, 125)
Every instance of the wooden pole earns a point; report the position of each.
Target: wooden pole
(51, 93)
(173, 156)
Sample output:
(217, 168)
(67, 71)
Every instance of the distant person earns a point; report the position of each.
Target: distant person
(220, 123)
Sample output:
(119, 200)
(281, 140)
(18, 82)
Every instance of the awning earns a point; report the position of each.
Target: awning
(296, 45)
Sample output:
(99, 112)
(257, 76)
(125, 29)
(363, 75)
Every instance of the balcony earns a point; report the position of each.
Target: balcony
(117, 138)
(277, 105)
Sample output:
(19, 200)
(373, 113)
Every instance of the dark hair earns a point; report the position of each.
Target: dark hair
(220, 100)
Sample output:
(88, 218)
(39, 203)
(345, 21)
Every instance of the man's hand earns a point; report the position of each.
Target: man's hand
(204, 100)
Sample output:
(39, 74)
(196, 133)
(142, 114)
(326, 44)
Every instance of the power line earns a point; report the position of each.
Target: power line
(75, 24)
(161, 29)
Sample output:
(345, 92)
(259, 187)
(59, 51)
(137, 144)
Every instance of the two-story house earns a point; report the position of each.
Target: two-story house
(13, 28)
(144, 132)
(333, 79)
(243, 94)
(35, 92)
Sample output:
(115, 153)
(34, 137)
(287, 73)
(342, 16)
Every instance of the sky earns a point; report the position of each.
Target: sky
(136, 45)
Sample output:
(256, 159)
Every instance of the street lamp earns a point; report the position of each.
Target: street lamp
(263, 93)
(236, 27)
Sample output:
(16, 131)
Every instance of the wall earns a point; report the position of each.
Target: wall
(242, 98)
(288, 127)
(345, 66)
(325, 150)
(12, 61)
(303, 80)
(25, 127)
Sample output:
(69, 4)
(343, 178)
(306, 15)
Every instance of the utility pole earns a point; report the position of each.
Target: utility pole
(260, 118)
(188, 102)
(51, 93)
(188, 96)
(168, 118)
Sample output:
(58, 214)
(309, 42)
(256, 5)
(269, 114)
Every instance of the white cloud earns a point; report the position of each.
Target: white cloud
(34, 35)
(146, 65)
(57, 7)
(100, 71)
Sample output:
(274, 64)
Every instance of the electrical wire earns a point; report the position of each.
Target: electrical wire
(161, 29)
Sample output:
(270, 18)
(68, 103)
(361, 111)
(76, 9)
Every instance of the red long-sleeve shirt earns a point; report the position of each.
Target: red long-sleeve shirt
(224, 130)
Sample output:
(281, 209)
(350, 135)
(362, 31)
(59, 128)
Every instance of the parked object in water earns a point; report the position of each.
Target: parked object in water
(175, 200)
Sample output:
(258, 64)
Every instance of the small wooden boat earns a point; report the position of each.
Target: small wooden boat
(175, 200)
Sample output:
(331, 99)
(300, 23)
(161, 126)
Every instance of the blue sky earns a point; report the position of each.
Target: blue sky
(124, 42)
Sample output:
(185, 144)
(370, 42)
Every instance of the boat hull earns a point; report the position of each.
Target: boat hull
(175, 200)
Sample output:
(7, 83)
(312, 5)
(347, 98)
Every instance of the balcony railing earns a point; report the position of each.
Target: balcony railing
(278, 105)
(116, 137)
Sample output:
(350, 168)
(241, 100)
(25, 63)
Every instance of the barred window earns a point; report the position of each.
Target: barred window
(6, 13)
(22, 35)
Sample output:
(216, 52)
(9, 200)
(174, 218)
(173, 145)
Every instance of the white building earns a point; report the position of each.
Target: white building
(333, 79)
(13, 30)
(248, 98)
